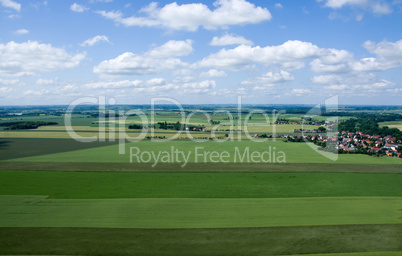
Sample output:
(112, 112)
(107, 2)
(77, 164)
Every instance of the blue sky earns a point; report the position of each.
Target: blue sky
(268, 52)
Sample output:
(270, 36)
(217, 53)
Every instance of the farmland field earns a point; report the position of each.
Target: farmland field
(56, 192)
(20, 147)
(286, 208)
(356, 254)
(278, 151)
(226, 241)
(393, 124)
(92, 185)
(36, 211)
(90, 131)
(194, 201)
(205, 128)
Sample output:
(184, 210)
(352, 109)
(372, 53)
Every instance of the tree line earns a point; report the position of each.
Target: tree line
(169, 126)
(25, 125)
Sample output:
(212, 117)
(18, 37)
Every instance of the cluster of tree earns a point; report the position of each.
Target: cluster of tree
(377, 117)
(56, 113)
(232, 118)
(265, 136)
(186, 138)
(170, 126)
(214, 122)
(284, 120)
(338, 113)
(228, 130)
(329, 146)
(370, 126)
(136, 126)
(295, 139)
(25, 125)
(106, 115)
(10, 123)
(309, 138)
(155, 137)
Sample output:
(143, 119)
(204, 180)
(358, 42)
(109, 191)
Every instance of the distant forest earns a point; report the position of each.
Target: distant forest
(25, 125)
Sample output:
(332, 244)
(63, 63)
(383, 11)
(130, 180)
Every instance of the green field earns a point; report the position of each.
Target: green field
(63, 197)
(356, 254)
(90, 131)
(226, 241)
(92, 185)
(16, 148)
(393, 124)
(210, 206)
(326, 254)
(36, 211)
(278, 152)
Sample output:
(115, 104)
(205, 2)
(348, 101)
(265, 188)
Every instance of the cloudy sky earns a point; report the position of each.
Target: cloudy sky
(268, 52)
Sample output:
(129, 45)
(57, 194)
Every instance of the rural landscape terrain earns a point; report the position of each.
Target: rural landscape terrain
(195, 127)
(60, 196)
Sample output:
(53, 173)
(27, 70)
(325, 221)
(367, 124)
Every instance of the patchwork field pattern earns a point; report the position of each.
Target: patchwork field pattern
(292, 152)
(88, 195)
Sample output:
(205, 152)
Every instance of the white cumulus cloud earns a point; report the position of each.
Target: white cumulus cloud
(229, 40)
(4, 91)
(9, 82)
(113, 84)
(243, 55)
(192, 16)
(270, 78)
(78, 8)
(377, 6)
(388, 55)
(133, 64)
(21, 32)
(334, 61)
(199, 87)
(337, 87)
(156, 60)
(96, 39)
(155, 81)
(213, 73)
(360, 83)
(385, 49)
(11, 4)
(172, 48)
(17, 59)
(326, 79)
(300, 92)
(278, 5)
(42, 81)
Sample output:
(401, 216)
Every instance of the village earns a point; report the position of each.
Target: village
(354, 142)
